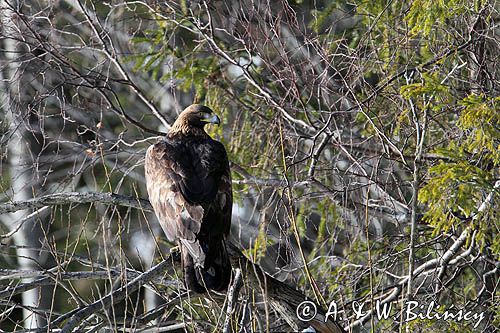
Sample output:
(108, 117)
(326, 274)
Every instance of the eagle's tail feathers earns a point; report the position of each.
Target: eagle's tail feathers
(189, 270)
(195, 250)
(216, 274)
(213, 273)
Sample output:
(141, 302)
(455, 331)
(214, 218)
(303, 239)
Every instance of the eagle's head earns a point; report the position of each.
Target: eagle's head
(193, 120)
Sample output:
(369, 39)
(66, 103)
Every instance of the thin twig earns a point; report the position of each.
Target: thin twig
(232, 296)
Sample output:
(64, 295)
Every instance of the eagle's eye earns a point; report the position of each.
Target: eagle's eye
(209, 117)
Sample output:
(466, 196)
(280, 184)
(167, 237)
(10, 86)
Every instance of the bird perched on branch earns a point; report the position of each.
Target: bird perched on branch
(189, 185)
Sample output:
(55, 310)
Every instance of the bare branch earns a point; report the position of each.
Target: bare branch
(232, 297)
(115, 296)
(75, 197)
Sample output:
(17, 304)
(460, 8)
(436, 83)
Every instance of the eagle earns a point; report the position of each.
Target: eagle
(188, 180)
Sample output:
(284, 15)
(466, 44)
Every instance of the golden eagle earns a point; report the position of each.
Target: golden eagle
(189, 185)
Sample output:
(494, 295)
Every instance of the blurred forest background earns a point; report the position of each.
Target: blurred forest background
(363, 136)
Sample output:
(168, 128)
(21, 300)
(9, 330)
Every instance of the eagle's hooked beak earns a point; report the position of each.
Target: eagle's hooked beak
(213, 119)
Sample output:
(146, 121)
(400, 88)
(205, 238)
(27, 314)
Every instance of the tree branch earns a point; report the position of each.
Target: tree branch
(115, 296)
(76, 197)
(232, 297)
(284, 299)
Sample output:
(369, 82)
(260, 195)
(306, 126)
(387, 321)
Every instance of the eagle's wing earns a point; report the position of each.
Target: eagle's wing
(164, 176)
(223, 202)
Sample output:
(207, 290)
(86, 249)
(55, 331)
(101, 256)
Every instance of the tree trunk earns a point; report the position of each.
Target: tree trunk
(30, 236)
